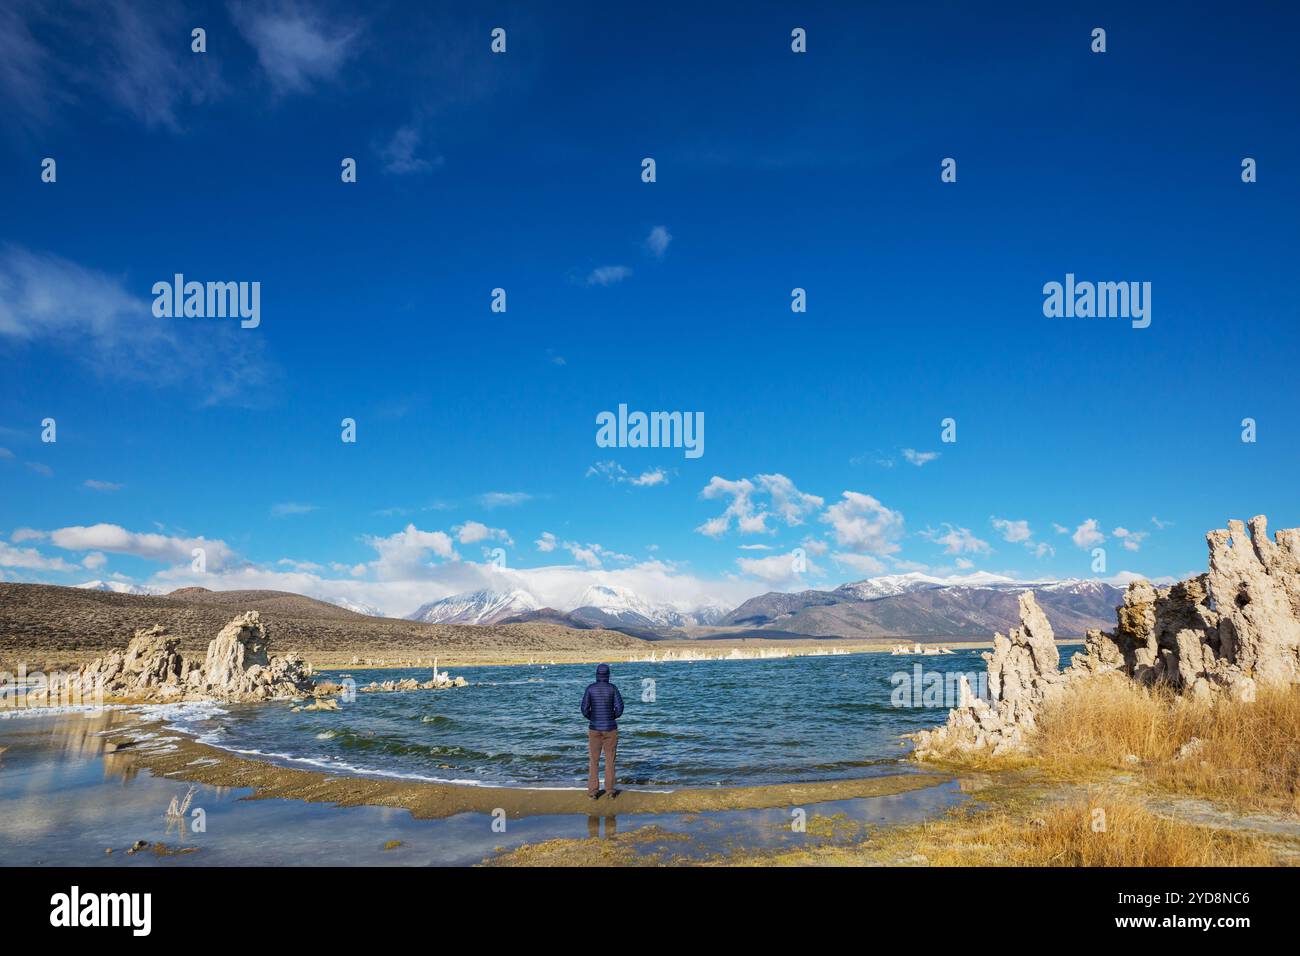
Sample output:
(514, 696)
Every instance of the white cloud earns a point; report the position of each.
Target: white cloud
(1013, 531)
(101, 485)
(31, 559)
(1161, 524)
(608, 275)
(6, 453)
(295, 45)
(776, 570)
(1087, 534)
(288, 508)
(919, 458)
(859, 563)
(405, 553)
(155, 547)
(503, 499)
(646, 479)
(133, 56)
(94, 561)
(594, 555)
(617, 474)
(657, 242)
(40, 468)
(474, 531)
(786, 502)
(1018, 532)
(864, 525)
(1132, 540)
(399, 153)
(956, 540)
(546, 542)
(92, 317)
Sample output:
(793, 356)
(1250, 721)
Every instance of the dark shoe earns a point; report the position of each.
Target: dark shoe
(613, 794)
(595, 796)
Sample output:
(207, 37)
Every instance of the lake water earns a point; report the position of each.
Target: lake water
(702, 723)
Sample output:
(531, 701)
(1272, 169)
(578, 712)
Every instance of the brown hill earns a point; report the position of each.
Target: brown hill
(44, 625)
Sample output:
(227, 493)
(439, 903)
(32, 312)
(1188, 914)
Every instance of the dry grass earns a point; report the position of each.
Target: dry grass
(1248, 756)
(1108, 832)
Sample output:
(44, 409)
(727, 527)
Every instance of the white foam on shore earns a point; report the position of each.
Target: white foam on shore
(89, 710)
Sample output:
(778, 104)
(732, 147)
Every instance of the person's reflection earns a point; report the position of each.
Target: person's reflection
(593, 827)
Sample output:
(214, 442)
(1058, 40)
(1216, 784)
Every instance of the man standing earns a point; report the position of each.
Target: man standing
(602, 705)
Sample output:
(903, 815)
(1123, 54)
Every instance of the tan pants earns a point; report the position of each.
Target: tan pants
(598, 740)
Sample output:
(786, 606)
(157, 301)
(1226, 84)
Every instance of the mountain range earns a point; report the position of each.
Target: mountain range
(909, 605)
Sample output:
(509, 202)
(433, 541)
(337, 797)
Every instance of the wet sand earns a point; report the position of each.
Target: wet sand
(199, 763)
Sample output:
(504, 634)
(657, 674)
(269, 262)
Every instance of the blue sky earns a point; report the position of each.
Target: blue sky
(522, 171)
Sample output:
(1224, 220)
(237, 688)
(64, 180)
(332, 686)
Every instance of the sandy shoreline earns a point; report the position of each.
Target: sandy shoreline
(195, 762)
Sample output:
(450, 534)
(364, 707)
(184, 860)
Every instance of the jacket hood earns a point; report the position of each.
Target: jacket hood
(602, 672)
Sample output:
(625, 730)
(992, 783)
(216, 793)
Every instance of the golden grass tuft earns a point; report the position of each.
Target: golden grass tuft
(1249, 753)
(1124, 833)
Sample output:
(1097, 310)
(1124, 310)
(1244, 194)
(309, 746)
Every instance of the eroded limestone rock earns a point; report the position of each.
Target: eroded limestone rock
(237, 667)
(1023, 670)
(1229, 630)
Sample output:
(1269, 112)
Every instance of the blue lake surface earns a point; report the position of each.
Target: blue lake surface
(703, 723)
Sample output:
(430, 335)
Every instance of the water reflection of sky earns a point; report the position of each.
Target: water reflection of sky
(66, 800)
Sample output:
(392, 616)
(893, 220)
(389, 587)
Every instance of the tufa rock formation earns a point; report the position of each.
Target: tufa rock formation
(1224, 632)
(437, 682)
(1023, 670)
(237, 668)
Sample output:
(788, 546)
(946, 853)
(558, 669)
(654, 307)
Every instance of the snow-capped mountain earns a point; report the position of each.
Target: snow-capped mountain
(926, 606)
(598, 605)
(887, 585)
(117, 587)
(890, 585)
(476, 607)
(628, 607)
(367, 609)
(709, 614)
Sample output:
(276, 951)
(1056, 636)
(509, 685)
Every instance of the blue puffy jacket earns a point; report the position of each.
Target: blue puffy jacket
(602, 704)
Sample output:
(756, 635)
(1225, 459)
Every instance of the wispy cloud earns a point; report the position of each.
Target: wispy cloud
(288, 509)
(95, 485)
(608, 275)
(296, 45)
(503, 499)
(1132, 540)
(133, 56)
(956, 540)
(617, 474)
(400, 153)
(919, 458)
(657, 242)
(1018, 531)
(92, 316)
